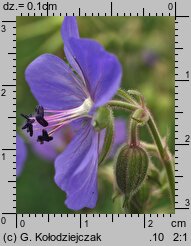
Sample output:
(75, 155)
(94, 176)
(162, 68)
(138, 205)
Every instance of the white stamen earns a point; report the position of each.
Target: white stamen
(62, 117)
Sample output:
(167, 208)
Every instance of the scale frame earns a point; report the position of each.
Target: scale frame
(153, 229)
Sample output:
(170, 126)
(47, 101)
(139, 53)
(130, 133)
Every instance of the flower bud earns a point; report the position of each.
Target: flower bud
(101, 118)
(141, 116)
(131, 169)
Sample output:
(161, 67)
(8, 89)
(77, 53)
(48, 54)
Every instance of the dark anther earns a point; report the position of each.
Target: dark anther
(28, 124)
(40, 116)
(44, 137)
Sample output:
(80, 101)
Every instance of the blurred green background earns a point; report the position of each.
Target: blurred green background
(145, 48)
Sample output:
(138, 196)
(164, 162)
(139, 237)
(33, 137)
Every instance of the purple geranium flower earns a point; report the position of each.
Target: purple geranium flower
(73, 94)
(21, 154)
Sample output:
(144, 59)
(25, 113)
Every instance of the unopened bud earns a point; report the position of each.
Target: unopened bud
(131, 169)
(141, 116)
(101, 118)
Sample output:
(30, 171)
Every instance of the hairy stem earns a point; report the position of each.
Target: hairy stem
(133, 133)
(165, 156)
(126, 96)
(150, 147)
(123, 105)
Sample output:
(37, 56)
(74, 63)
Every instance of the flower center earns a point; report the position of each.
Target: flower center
(48, 121)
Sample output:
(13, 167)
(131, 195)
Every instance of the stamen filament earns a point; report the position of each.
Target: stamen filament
(55, 119)
(62, 124)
